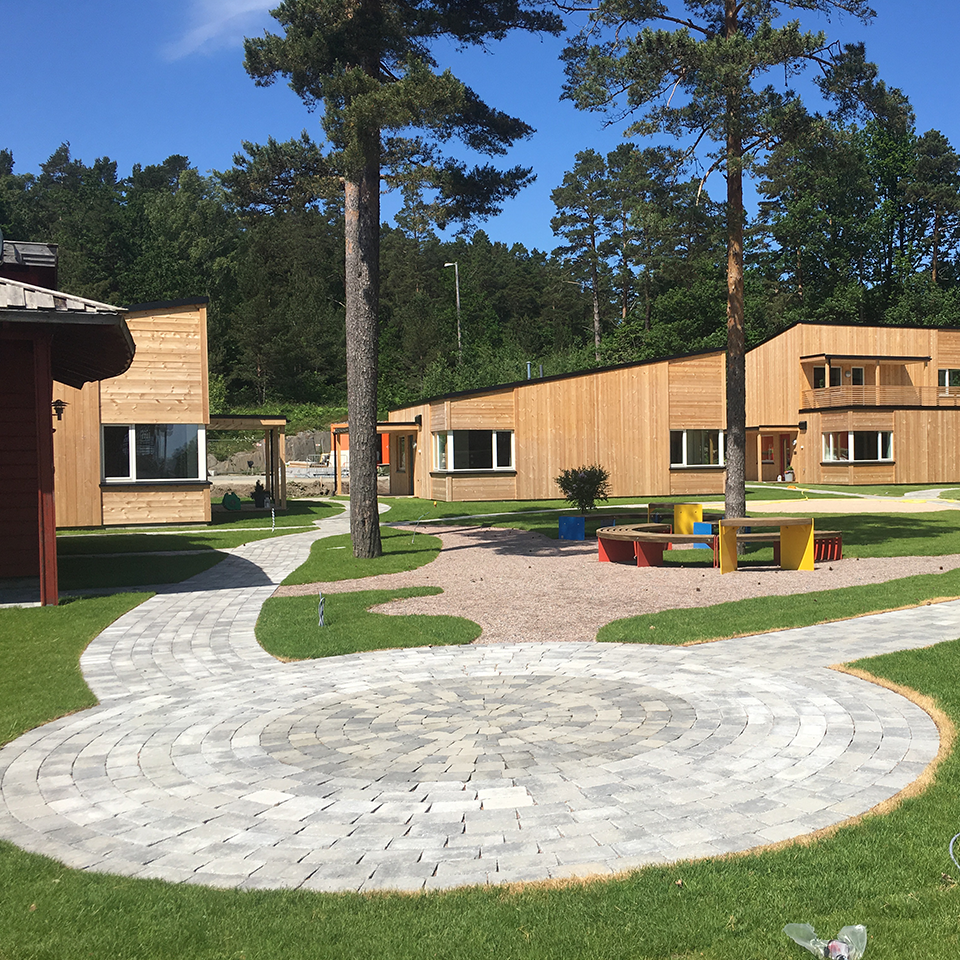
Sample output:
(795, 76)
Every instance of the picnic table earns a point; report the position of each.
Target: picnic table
(796, 540)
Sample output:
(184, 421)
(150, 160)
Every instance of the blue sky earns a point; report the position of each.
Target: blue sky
(138, 81)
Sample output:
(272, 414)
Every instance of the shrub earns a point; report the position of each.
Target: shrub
(584, 486)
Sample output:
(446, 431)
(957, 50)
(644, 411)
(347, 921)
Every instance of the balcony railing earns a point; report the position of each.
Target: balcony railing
(879, 396)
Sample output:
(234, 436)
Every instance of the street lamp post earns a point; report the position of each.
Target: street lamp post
(456, 279)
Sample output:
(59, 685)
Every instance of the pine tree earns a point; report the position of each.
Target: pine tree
(583, 204)
(368, 63)
(696, 75)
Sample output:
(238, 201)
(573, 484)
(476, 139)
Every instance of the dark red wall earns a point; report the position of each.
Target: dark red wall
(19, 511)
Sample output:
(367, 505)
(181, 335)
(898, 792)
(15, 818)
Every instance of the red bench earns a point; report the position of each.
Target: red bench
(645, 542)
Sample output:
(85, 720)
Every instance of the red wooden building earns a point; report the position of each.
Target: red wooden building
(45, 335)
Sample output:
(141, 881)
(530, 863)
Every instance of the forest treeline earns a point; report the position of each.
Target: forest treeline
(855, 224)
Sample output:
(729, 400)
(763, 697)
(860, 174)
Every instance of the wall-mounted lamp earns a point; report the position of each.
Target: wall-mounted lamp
(802, 425)
(58, 407)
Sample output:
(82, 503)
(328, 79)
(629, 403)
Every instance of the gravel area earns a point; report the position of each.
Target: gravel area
(524, 587)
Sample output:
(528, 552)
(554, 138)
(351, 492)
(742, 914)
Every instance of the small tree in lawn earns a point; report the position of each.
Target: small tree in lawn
(584, 486)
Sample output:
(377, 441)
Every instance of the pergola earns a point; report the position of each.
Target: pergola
(274, 448)
(45, 335)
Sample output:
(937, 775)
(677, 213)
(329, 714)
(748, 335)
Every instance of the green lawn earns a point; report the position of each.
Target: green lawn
(409, 508)
(132, 542)
(104, 572)
(40, 651)
(288, 627)
(760, 615)
(332, 557)
(874, 490)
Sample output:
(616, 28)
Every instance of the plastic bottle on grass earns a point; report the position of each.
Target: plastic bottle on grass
(849, 944)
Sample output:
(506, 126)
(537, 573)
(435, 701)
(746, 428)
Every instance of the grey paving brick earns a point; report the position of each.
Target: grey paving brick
(207, 761)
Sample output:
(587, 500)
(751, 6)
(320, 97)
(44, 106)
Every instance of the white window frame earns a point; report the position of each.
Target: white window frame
(828, 449)
(449, 452)
(132, 453)
(722, 448)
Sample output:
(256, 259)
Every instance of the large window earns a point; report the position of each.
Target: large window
(949, 381)
(154, 451)
(473, 450)
(696, 448)
(855, 445)
(820, 377)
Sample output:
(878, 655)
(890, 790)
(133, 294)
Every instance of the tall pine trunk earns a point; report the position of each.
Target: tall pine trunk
(362, 261)
(935, 254)
(595, 287)
(735, 492)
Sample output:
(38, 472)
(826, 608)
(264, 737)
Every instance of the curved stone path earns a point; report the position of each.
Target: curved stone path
(207, 761)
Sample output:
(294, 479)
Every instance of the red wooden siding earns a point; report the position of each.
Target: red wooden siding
(19, 517)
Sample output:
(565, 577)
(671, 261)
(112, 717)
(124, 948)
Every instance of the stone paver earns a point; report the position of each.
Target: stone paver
(207, 761)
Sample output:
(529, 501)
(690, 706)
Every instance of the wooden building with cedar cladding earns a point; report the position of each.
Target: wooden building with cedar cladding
(132, 450)
(510, 442)
(851, 404)
(840, 404)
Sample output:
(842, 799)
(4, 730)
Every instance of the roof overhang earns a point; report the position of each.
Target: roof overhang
(383, 426)
(831, 358)
(89, 340)
(398, 426)
(246, 422)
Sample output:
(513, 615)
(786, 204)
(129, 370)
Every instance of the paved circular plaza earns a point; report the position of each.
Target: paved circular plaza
(207, 761)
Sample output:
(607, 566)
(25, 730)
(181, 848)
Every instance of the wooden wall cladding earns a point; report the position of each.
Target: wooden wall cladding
(690, 482)
(491, 411)
(167, 381)
(441, 487)
(870, 418)
(439, 415)
(618, 418)
(926, 446)
(169, 503)
(873, 473)
(948, 350)
(487, 486)
(76, 457)
(698, 393)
